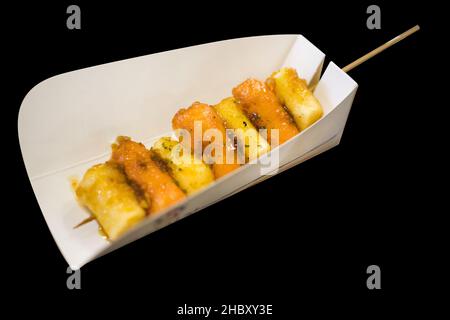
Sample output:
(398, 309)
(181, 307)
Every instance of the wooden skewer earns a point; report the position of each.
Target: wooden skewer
(88, 219)
(383, 47)
(376, 51)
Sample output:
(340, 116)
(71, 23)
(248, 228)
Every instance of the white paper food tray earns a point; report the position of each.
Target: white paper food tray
(67, 123)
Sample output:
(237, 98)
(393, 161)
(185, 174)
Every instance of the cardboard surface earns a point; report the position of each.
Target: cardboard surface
(67, 123)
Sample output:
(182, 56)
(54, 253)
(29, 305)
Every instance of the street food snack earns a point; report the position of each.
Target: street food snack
(137, 182)
(104, 190)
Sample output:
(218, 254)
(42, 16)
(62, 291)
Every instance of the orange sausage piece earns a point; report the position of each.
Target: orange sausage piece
(185, 118)
(158, 187)
(264, 110)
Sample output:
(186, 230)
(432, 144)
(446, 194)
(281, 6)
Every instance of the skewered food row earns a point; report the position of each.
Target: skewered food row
(137, 182)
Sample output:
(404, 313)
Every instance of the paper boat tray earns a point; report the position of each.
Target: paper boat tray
(67, 123)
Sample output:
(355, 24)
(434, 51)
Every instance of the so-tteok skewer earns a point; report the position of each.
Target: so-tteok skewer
(210, 142)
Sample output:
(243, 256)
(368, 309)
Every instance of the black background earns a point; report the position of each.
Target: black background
(300, 240)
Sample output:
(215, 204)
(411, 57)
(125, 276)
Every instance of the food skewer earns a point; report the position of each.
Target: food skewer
(131, 170)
